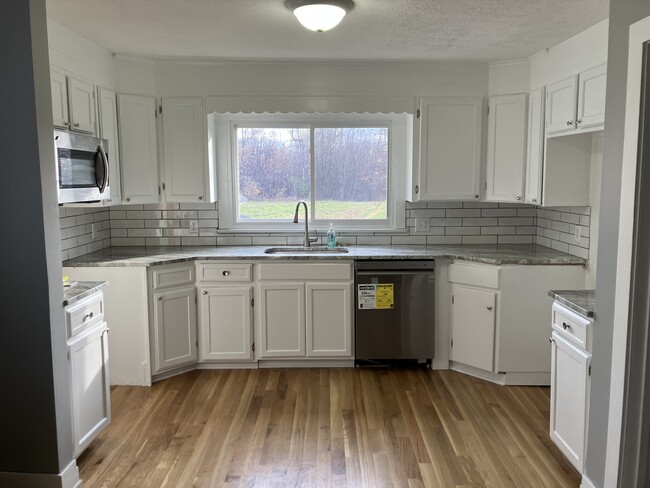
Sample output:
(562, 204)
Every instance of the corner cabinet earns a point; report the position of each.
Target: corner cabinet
(447, 149)
(506, 154)
(184, 161)
(138, 148)
(305, 310)
(173, 301)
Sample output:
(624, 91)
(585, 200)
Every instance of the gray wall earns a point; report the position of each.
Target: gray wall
(35, 432)
(623, 13)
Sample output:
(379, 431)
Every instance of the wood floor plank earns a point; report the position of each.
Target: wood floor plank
(337, 428)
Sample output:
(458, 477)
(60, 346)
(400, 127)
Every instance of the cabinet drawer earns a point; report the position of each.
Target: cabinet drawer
(572, 326)
(172, 276)
(307, 271)
(85, 313)
(474, 275)
(241, 272)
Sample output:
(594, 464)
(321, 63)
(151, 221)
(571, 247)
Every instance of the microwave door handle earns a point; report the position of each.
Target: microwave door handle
(102, 154)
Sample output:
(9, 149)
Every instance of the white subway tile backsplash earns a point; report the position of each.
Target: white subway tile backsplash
(465, 212)
(480, 240)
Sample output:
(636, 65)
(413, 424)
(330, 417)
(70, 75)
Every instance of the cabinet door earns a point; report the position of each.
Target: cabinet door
(59, 87)
(174, 327)
(569, 389)
(183, 153)
(535, 146)
(561, 99)
(282, 320)
(473, 325)
(449, 149)
(506, 157)
(91, 406)
(81, 95)
(138, 148)
(329, 319)
(225, 322)
(108, 130)
(592, 88)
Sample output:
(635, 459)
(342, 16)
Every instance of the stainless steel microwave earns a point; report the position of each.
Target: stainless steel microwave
(82, 168)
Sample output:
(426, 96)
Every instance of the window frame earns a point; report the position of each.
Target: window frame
(399, 152)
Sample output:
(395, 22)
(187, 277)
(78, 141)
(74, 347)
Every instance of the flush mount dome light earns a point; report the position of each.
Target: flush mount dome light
(322, 15)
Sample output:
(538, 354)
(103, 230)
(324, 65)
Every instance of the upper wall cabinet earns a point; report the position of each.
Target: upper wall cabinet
(506, 156)
(449, 148)
(184, 161)
(577, 103)
(535, 147)
(107, 118)
(138, 148)
(73, 102)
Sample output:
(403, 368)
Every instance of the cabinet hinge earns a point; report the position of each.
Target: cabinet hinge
(417, 114)
(196, 299)
(253, 347)
(488, 110)
(452, 343)
(197, 343)
(453, 298)
(160, 109)
(159, 191)
(163, 186)
(590, 370)
(252, 302)
(486, 186)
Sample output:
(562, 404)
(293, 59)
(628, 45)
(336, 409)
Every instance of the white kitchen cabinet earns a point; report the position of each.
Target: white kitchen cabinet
(535, 147)
(91, 406)
(73, 101)
(577, 103)
(473, 326)
(305, 310)
(108, 130)
(329, 319)
(59, 87)
(499, 327)
(225, 321)
(184, 161)
(447, 162)
(506, 155)
(138, 148)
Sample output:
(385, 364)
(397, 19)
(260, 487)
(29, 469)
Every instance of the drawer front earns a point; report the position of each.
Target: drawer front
(306, 271)
(240, 272)
(172, 276)
(474, 275)
(85, 313)
(572, 326)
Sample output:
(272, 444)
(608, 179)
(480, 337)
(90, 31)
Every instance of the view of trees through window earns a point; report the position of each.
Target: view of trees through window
(350, 172)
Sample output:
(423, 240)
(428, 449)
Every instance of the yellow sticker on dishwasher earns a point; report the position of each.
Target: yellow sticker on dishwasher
(376, 296)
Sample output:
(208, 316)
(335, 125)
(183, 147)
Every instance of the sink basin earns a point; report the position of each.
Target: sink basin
(301, 249)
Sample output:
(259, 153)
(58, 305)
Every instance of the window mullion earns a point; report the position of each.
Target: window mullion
(312, 173)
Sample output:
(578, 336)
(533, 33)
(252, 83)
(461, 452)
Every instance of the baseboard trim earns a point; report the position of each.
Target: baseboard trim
(504, 379)
(586, 482)
(306, 363)
(227, 365)
(68, 478)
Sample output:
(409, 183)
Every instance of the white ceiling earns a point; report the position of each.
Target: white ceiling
(486, 30)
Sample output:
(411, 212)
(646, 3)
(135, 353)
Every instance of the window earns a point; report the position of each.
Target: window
(342, 166)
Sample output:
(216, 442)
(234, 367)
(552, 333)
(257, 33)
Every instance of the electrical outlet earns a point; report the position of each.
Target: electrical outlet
(92, 230)
(422, 225)
(578, 233)
(194, 226)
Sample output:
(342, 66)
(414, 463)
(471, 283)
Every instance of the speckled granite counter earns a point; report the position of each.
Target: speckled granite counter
(489, 254)
(580, 301)
(81, 289)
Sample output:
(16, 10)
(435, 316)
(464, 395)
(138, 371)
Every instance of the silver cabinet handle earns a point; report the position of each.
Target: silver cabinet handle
(226, 273)
(551, 340)
(566, 326)
(489, 307)
(77, 124)
(204, 292)
(417, 189)
(518, 198)
(534, 200)
(569, 122)
(579, 121)
(200, 197)
(88, 316)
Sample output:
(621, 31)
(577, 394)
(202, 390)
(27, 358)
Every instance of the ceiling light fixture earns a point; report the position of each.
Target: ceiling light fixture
(319, 15)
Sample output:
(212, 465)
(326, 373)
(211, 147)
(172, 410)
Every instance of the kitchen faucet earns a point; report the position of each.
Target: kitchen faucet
(308, 240)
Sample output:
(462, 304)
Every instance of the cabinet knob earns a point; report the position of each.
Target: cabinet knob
(65, 122)
(200, 197)
(128, 199)
(77, 124)
(226, 273)
(476, 196)
(566, 326)
(579, 121)
(160, 299)
(534, 200)
(489, 307)
(204, 292)
(569, 122)
(518, 198)
(551, 340)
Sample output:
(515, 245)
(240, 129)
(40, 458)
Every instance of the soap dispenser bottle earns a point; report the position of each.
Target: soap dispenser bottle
(331, 237)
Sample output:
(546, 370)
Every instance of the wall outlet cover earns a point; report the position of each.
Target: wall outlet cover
(194, 226)
(422, 224)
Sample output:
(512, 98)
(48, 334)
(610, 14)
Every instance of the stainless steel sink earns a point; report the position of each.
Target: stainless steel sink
(301, 249)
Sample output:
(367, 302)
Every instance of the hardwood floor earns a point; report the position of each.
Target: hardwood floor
(327, 427)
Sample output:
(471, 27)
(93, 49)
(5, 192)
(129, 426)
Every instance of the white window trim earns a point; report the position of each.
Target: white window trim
(399, 149)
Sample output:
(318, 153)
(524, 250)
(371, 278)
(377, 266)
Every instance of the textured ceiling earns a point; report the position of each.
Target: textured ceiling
(486, 30)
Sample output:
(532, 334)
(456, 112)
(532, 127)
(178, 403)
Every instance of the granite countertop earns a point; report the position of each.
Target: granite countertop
(80, 289)
(530, 254)
(580, 301)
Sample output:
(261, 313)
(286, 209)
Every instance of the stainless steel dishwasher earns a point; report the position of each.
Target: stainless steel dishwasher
(394, 311)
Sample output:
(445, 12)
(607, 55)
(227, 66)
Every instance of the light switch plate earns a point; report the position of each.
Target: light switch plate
(422, 225)
(578, 233)
(194, 226)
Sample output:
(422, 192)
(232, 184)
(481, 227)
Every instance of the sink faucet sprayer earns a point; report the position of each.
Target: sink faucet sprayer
(308, 240)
